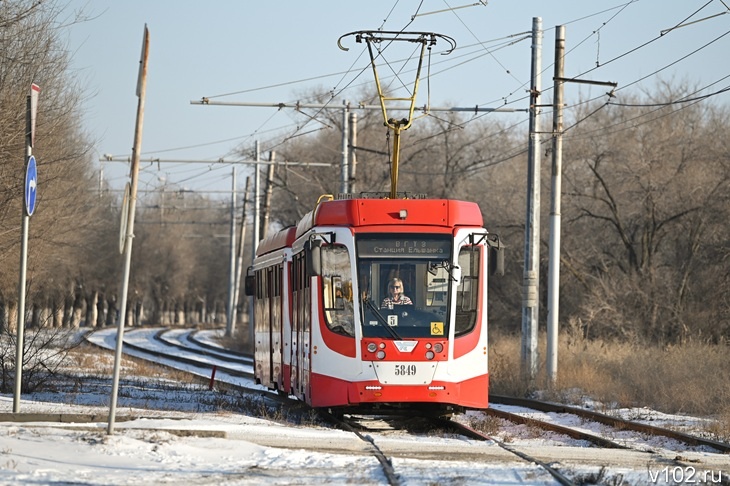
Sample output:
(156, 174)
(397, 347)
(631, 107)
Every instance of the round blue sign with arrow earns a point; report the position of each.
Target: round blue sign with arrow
(31, 186)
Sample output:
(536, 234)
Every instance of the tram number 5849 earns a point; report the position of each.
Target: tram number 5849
(405, 370)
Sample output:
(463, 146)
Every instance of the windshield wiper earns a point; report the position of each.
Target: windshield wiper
(382, 320)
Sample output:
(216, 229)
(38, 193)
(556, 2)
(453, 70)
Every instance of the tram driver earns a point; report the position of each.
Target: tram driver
(395, 295)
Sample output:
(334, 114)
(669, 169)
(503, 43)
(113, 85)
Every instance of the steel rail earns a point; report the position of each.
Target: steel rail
(474, 434)
(609, 420)
(385, 463)
(208, 351)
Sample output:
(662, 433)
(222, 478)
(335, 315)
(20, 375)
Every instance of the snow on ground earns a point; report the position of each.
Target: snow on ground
(154, 444)
(218, 448)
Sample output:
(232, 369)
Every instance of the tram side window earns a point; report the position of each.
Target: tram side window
(296, 278)
(337, 289)
(260, 304)
(467, 292)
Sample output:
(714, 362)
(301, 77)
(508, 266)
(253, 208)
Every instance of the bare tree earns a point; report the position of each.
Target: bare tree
(643, 183)
(68, 211)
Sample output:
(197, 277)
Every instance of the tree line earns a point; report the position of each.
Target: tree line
(644, 254)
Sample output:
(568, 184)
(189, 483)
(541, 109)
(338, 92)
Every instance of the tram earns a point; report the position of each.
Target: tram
(328, 328)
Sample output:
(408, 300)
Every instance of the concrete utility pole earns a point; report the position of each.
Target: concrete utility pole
(555, 191)
(254, 242)
(268, 193)
(345, 172)
(256, 199)
(239, 259)
(230, 315)
(353, 152)
(531, 274)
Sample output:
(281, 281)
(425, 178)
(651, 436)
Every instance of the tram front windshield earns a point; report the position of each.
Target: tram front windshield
(404, 285)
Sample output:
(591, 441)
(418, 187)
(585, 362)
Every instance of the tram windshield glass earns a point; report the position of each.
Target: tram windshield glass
(404, 284)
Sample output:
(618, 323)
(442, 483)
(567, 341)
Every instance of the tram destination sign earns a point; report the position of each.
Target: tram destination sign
(404, 247)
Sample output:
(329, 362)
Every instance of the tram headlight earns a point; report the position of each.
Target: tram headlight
(372, 347)
(430, 355)
(380, 355)
(438, 347)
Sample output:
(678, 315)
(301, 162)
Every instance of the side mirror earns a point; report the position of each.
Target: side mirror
(496, 258)
(249, 284)
(313, 257)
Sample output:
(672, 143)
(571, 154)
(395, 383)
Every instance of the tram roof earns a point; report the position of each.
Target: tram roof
(368, 212)
(446, 213)
(281, 239)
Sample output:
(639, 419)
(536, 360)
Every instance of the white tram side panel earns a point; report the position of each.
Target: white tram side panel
(469, 296)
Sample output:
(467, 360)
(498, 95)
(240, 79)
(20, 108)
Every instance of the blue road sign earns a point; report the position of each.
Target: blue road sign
(31, 186)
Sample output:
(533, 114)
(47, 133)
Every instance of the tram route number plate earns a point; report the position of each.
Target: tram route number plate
(405, 373)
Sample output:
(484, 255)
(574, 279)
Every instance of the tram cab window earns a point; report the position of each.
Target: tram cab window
(337, 290)
(467, 291)
(419, 265)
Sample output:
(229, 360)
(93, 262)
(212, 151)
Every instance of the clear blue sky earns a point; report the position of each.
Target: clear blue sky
(207, 49)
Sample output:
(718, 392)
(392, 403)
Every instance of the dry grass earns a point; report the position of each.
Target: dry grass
(98, 362)
(720, 428)
(486, 424)
(693, 378)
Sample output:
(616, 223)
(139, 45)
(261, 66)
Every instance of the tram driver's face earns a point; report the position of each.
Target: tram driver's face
(395, 289)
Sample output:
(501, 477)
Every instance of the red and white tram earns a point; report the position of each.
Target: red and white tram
(326, 331)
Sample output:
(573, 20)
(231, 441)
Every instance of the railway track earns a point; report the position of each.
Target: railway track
(671, 458)
(177, 350)
(617, 423)
(474, 434)
(165, 348)
(183, 347)
(375, 432)
(558, 465)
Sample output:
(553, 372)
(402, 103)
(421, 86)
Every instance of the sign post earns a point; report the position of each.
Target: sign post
(130, 206)
(29, 201)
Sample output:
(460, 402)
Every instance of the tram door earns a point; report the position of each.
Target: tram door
(263, 327)
(275, 328)
(299, 305)
(286, 328)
